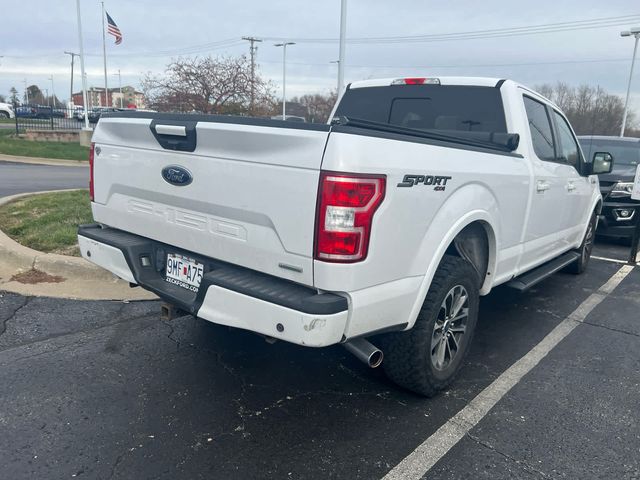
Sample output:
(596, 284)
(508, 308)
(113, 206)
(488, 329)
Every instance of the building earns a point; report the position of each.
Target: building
(129, 98)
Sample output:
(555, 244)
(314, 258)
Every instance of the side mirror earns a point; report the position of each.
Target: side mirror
(602, 163)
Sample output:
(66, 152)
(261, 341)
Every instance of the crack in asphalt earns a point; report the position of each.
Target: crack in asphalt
(611, 329)
(3, 329)
(521, 463)
(171, 332)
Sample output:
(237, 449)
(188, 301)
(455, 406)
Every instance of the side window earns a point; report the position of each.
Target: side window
(540, 127)
(568, 150)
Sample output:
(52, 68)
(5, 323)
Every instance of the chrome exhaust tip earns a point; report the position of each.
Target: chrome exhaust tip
(365, 351)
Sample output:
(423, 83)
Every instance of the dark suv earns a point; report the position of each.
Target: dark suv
(618, 211)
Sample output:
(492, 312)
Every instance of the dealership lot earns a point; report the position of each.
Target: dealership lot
(108, 390)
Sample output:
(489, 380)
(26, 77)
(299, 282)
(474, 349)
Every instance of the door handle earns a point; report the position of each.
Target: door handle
(542, 185)
(570, 186)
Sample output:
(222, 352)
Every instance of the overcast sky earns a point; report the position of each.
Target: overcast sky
(35, 33)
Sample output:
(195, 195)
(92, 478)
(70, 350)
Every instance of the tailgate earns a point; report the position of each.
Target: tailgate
(238, 190)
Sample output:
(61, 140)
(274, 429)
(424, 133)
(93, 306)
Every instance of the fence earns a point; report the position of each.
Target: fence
(43, 117)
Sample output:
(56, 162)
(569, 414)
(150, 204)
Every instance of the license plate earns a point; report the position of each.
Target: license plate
(184, 272)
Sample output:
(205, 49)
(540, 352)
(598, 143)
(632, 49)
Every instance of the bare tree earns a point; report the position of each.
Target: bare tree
(209, 85)
(317, 105)
(591, 110)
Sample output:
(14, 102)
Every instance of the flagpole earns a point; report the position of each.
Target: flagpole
(84, 78)
(104, 56)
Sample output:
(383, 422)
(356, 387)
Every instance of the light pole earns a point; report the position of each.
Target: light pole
(53, 92)
(84, 76)
(284, 76)
(634, 32)
(343, 32)
(26, 92)
(119, 85)
(73, 56)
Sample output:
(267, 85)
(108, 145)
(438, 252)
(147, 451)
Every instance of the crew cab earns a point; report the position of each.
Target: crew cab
(378, 231)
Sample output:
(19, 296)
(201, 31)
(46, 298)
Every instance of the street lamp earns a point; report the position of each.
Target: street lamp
(634, 32)
(284, 75)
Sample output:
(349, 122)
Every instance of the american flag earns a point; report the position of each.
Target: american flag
(113, 29)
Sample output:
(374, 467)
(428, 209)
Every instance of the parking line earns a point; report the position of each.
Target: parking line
(420, 461)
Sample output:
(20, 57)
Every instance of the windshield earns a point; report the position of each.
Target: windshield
(445, 108)
(624, 152)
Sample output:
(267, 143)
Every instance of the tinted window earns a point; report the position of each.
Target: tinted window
(428, 107)
(540, 128)
(624, 152)
(568, 150)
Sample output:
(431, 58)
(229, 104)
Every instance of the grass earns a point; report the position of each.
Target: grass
(12, 145)
(47, 222)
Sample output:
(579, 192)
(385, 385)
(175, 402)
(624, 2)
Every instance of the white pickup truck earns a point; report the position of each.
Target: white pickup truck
(387, 223)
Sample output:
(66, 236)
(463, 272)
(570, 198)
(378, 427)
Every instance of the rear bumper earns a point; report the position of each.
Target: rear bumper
(228, 294)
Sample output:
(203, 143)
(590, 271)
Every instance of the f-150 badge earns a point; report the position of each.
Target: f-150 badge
(438, 182)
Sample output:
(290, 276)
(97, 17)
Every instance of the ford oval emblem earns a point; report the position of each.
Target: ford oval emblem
(177, 175)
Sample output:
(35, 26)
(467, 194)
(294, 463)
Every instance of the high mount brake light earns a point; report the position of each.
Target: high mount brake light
(416, 81)
(91, 159)
(346, 206)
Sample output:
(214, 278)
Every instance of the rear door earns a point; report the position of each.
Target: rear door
(579, 188)
(550, 214)
(248, 196)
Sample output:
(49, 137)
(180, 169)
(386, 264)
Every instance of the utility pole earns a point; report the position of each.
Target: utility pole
(634, 32)
(26, 92)
(73, 56)
(284, 76)
(253, 50)
(343, 32)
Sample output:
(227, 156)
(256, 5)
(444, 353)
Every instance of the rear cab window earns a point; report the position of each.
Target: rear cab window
(448, 109)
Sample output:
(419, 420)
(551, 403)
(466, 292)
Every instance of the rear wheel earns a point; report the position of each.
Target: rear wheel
(584, 250)
(426, 358)
(4, 115)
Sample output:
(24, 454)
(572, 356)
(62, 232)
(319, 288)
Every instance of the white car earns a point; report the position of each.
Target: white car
(6, 110)
(420, 196)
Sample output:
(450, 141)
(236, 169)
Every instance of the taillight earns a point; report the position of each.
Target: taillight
(91, 155)
(346, 206)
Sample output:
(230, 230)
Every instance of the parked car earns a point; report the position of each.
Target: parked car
(34, 111)
(619, 210)
(423, 194)
(6, 110)
(96, 113)
(78, 113)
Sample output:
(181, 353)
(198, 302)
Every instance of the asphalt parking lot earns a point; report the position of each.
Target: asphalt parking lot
(108, 390)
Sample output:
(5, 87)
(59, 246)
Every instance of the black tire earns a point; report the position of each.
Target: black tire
(409, 356)
(585, 248)
(4, 115)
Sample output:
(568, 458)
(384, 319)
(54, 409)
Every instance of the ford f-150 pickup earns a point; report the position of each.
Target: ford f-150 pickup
(380, 228)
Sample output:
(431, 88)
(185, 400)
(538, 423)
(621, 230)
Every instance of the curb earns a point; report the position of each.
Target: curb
(83, 280)
(43, 161)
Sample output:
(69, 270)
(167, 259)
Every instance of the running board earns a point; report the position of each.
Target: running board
(531, 278)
